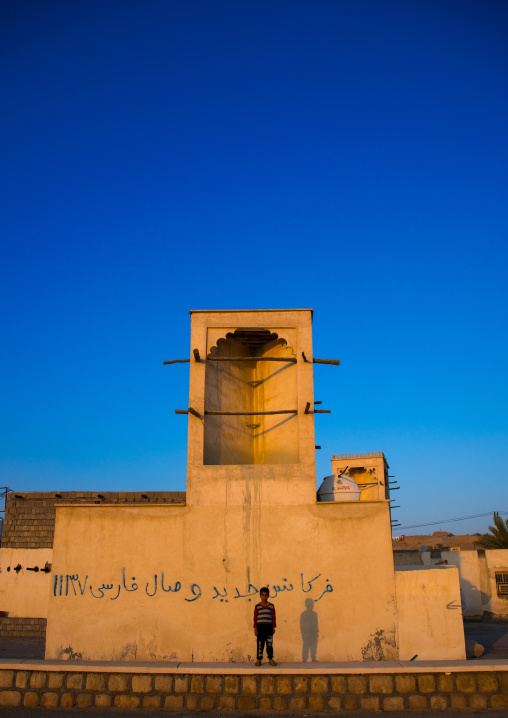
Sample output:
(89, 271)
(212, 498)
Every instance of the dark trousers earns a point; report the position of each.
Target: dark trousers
(265, 635)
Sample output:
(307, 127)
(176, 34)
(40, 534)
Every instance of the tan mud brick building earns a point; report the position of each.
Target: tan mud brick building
(159, 581)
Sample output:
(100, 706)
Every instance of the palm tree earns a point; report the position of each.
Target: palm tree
(498, 538)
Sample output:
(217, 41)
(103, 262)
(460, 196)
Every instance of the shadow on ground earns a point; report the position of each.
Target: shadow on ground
(492, 636)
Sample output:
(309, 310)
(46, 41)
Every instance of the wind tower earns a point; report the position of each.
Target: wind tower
(251, 408)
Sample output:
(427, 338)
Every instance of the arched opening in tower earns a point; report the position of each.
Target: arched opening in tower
(251, 376)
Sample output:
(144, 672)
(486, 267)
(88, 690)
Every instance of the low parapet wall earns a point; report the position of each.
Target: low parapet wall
(30, 516)
(187, 687)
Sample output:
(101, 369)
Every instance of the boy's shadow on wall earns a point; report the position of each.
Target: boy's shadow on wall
(309, 628)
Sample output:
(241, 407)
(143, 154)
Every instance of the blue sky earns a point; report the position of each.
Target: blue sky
(346, 156)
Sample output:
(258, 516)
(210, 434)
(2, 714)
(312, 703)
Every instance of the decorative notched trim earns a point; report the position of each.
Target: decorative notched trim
(252, 339)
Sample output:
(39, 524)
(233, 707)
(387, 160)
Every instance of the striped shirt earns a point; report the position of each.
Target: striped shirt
(264, 615)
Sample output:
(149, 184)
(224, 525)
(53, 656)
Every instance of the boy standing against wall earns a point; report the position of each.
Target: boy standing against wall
(264, 626)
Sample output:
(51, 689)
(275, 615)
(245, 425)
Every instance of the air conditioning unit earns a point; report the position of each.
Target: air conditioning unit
(502, 589)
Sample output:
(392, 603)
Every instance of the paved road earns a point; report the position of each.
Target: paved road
(492, 636)
(74, 712)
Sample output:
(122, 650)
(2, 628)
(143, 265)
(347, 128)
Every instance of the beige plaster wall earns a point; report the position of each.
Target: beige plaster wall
(497, 561)
(214, 559)
(283, 483)
(25, 593)
(476, 600)
(429, 613)
(477, 572)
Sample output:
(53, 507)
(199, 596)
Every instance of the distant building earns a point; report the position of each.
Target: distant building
(483, 574)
